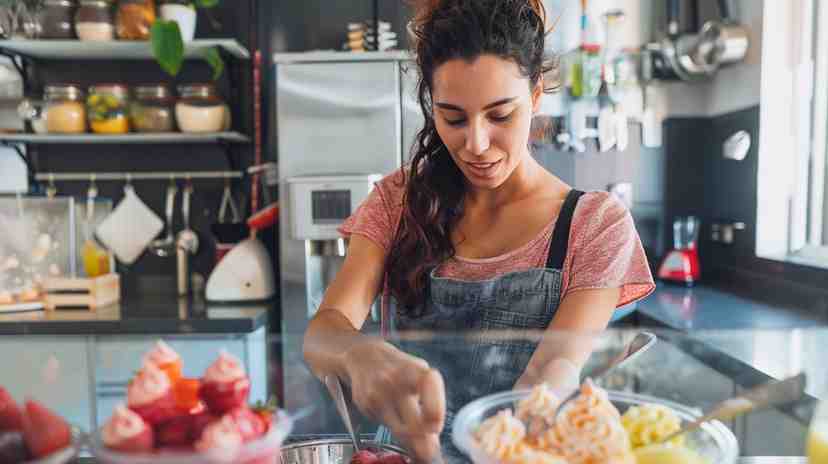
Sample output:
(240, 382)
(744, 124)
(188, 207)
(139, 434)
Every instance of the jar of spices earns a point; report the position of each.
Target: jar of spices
(107, 106)
(134, 19)
(200, 109)
(94, 21)
(57, 19)
(65, 111)
(153, 109)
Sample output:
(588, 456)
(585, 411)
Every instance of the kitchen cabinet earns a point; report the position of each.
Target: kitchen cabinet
(53, 370)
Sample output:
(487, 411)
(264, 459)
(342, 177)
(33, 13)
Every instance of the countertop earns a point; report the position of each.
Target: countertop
(707, 308)
(144, 316)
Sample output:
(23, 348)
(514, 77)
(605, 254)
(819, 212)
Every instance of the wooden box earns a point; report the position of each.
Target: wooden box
(88, 293)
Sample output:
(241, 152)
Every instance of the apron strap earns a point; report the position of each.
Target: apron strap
(559, 245)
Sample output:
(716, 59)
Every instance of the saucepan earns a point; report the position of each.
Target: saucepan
(328, 451)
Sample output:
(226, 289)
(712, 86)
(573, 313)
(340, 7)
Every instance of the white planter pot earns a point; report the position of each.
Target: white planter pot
(184, 16)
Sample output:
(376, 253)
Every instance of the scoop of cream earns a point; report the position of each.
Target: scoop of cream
(221, 439)
(150, 384)
(162, 354)
(542, 402)
(123, 425)
(227, 368)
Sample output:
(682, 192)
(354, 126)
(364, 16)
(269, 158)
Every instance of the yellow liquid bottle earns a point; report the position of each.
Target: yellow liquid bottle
(95, 259)
(818, 436)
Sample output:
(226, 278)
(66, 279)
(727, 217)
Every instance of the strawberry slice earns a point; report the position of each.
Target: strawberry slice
(186, 394)
(364, 457)
(44, 431)
(221, 397)
(10, 416)
(249, 424)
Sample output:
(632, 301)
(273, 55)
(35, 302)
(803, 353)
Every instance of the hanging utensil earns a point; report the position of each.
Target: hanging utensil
(186, 243)
(166, 247)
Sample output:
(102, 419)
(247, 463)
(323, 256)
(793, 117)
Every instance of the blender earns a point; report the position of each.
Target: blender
(681, 264)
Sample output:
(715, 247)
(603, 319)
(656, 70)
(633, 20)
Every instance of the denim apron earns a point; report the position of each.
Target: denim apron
(471, 365)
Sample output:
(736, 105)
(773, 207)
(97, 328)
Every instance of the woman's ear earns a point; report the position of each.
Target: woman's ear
(537, 95)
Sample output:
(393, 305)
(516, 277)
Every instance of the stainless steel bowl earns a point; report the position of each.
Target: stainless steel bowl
(327, 451)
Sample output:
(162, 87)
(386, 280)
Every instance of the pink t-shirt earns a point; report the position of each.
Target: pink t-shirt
(604, 248)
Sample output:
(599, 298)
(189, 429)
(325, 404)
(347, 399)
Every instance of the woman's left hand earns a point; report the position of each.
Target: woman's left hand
(561, 374)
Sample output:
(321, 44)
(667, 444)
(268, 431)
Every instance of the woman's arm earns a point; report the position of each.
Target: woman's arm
(568, 342)
(344, 308)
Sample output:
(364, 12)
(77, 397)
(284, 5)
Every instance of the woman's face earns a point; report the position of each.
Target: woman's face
(483, 112)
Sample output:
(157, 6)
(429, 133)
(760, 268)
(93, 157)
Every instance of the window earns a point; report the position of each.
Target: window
(792, 216)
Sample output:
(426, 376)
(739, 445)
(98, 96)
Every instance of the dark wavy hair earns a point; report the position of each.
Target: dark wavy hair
(434, 186)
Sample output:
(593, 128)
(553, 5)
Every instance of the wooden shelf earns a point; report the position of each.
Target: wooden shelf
(165, 138)
(115, 50)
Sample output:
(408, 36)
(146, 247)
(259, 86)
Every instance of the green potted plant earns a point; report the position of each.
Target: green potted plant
(174, 28)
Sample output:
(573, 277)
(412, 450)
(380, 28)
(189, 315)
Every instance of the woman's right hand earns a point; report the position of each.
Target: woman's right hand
(400, 391)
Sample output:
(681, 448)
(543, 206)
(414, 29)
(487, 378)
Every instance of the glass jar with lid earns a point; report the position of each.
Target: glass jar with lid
(152, 110)
(134, 19)
(94, 21)
(57, 19)
(65, 111)
(107, 106)
(200, 109)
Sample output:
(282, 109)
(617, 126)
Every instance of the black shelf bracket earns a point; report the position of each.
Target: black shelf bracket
(21, 66)
(30, 168)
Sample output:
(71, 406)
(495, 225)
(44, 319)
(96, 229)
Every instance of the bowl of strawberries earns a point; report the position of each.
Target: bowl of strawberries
(171, 419)
(33, 434)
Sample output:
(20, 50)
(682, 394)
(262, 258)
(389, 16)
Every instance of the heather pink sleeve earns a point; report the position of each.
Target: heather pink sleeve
(605, 250)
(377, 217)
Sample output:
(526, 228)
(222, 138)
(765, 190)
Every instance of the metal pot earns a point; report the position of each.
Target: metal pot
(327, 451)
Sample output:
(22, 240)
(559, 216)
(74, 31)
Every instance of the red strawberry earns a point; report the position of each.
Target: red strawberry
(221, 397)
(12, 448)
(158, 411)
(44, 431)
(364, 457)
(176, 432)
(200, 422)
(10, 416)
(266, 411)
(249, 424)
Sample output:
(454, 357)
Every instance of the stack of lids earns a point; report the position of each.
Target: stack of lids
(361, 37)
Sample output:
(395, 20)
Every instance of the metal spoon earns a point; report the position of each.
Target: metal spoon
(641, 343)
(766, 395)
(335, 389)
(166, 246)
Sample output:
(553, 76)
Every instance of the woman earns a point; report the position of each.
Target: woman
(473, 235)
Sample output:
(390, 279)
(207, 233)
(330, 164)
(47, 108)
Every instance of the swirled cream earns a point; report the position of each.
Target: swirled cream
(149, 385)
(162, 354)
(227, 368)
(542, 402)
(122, 426)
(588, 430)
(501, 435)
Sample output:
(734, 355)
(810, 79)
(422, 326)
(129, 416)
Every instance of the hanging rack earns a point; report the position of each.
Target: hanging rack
(133, 176)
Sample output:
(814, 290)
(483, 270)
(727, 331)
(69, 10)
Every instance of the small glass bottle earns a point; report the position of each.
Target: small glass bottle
(107, 106)
(153, 109)
(58, 19)
(134, 19)
(94, 21)
(200, 109)
(65, 111)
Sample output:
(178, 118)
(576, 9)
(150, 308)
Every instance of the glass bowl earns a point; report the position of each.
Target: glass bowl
(713, 441)
(265, 450)
(65, 455)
